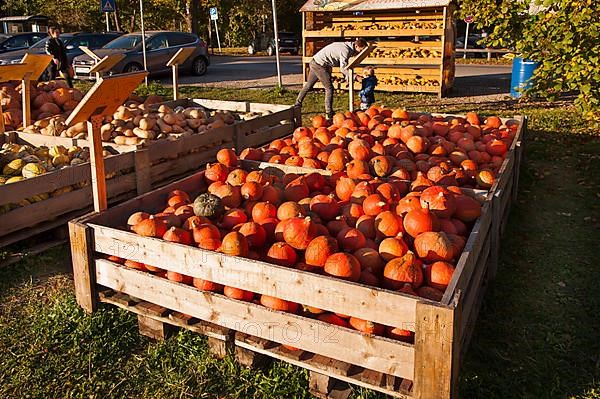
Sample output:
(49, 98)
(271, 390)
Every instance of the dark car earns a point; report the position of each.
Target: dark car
(19, 41)
(161, 46)
(72, 42)
(288, 43)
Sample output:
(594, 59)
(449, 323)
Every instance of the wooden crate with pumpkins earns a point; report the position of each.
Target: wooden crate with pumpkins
(45, 164)
(370, 280)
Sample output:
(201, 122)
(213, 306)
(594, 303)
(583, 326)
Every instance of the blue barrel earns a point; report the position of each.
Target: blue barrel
(522, 75)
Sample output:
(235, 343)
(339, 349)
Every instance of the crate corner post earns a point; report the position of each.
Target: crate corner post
(84, 273)
(437, 349)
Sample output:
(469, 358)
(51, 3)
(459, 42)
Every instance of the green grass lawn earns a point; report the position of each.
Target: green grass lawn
(537, 336)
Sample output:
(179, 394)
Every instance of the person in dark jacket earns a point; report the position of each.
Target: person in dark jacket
(60, 62)
(333, 55)
(367, 92)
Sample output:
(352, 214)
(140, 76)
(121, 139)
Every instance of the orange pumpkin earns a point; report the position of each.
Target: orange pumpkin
(374, 205)
(178, 235)
(234, 244)
(319, 249)
(299, 232)
(282, 254)
(227, 157)
(343, 265)
(206, 285)
(252, 191)
(263, 210)
(367, 327)
(239, 294)
(420, 220)
(325, 206)
(439, 274)
(388, 224)
(351, 239)
(392, 247)
(399, 271)
(369, 259)
(434, 246)
(254, 233)
(279, 304)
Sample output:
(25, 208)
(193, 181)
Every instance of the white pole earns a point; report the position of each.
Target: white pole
(218, 40)
(107, 23)
(279, 81)
(466, 40)
(143, 38)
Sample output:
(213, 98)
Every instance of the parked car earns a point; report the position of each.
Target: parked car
(161, 46)
(72, 42)
(288, 43)
(19, 41)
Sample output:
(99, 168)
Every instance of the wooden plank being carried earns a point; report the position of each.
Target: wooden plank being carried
(379, 354)
(324, 292)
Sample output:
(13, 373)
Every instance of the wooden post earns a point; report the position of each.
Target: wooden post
(351, 89)
(175, 82)
(437, 351)
(84, 271)
(97, 163)
(2, 127)
(26, 94)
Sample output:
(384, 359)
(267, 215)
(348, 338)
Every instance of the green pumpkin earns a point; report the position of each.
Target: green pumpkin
(208, 205)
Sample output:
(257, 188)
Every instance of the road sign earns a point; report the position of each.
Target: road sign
(469, 19)
(214, 15)
(107, 5)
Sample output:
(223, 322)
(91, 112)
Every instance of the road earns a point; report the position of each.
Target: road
(261, 71)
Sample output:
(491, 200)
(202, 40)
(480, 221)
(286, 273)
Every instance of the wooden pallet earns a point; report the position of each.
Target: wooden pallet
(327, 377)
(135, 172)
(442, 329)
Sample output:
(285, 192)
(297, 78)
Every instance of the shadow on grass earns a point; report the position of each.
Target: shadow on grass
(537, 333)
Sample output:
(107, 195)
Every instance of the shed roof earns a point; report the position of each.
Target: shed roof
(21, 18)
(366, 5)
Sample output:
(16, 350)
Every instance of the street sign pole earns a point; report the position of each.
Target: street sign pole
(107, 6)
(468, 20)
(279, 80)
(107, 23)
(214, 16)
(143, 39)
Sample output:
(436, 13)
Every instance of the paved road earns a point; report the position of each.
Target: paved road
(260, 72)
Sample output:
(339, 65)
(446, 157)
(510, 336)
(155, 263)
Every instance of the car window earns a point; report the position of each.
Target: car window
(35, 38)
(125, 42)
(17, 41)
(80, 41)
(101, 40)
(41, 43)
(180, 39)
(157, 42)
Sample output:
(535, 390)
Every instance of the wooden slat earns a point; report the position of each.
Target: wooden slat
(184, 163)
(15, 192)
(263, 136)
(277, 352)
(378, 305)
(466, 263)
(436, 342)
(30, 215)
(174, 148)
(84, 274)
(471, 295)
(375, 353)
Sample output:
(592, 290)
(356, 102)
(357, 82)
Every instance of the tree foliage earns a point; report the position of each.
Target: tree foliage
(563, 36)
(239, 21)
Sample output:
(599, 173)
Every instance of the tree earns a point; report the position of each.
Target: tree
(563, 36)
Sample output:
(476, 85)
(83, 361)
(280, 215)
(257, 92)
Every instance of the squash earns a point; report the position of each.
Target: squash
(208, 205)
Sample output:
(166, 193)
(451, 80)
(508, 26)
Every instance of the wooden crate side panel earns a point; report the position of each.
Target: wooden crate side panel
(466, 263)
(84, 274)
(371, 352)
(170, 149)
(382, 306)
(31, 215)
(184, 163)
(15, 192)
(263, 136)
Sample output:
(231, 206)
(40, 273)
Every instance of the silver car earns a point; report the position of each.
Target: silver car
(160, 47)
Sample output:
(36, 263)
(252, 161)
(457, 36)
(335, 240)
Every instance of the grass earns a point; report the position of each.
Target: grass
(536, 335)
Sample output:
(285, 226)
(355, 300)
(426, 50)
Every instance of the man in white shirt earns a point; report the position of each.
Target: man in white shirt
(333, 55)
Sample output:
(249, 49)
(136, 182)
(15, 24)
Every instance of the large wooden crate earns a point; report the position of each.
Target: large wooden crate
(136, 170)
(426, 369)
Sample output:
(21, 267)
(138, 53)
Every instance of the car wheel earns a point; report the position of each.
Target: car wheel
(251, 49)
(199, 66)
(270, 51)
(133, 67)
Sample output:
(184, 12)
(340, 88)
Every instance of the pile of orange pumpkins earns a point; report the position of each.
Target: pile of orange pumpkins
(380, 142)
(374, 227)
